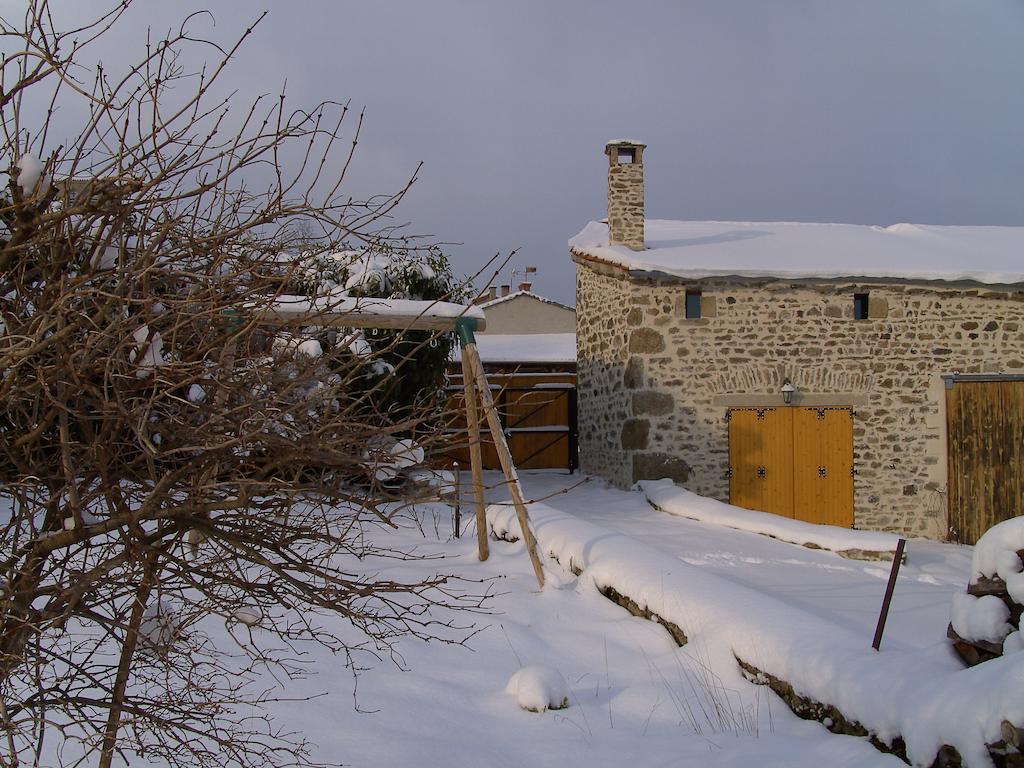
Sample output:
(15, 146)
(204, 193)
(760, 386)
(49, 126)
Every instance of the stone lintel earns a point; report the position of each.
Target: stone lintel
(762, 400)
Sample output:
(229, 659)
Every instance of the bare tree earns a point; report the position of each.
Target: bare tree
(162, 460)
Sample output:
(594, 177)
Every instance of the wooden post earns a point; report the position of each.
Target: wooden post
(504, 456)
(475, 461)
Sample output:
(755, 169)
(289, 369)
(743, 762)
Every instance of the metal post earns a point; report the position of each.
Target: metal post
(457, 513)
(888, 593)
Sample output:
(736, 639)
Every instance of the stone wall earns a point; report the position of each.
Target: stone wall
(657, 386)
(626, 205)
(601, 359)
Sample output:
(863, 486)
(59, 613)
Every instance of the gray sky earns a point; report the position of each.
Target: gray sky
(862, 111)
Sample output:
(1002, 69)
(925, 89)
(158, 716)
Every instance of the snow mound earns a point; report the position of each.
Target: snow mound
(668, 497)
(537, 688)
(995, 555)
(980, 618)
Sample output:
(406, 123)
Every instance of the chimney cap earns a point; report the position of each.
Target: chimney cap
(623, 143)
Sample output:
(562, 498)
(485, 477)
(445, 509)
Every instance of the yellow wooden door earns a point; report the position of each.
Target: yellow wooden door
(761, 459)
(823, 465)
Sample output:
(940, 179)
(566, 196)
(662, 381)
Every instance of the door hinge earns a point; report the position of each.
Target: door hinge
(761, 472)
(822, 472)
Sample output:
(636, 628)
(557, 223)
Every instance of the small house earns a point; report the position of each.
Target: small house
(529, 353)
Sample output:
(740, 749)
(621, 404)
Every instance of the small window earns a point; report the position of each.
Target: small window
(692, 305)
(626, 156)
(860, 306)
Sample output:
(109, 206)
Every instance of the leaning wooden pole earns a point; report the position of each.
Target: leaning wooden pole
(475, 461)
(479, 378)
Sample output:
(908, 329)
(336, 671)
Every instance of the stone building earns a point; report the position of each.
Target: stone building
(861, 376)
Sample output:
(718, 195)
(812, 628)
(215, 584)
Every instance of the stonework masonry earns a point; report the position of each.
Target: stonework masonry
(626, 205)
(655, 387)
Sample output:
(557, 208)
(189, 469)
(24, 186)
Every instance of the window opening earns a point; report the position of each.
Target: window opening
(693, 305)
(626, 156)
(860, 306)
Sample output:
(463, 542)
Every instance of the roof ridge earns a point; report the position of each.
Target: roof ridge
(517, 294)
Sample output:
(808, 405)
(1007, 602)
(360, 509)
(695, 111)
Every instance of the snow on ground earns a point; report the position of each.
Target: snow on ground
(634, 696)
(921, 694)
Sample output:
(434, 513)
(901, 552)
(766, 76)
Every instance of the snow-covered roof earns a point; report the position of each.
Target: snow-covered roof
(698, 249)
(518, 294)
(527, 347)
(339, 308)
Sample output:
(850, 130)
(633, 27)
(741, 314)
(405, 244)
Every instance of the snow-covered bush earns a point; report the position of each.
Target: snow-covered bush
(387, 271)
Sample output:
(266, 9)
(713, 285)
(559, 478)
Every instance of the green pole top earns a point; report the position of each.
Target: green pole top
(465, 327)
(232, 319)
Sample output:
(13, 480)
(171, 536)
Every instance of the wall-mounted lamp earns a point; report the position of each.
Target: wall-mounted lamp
(787, 391)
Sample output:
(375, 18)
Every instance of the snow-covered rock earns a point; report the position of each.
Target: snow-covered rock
(980, 618)
(536, 688)
(996, 555)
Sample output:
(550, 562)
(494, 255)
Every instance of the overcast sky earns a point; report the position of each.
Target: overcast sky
(863, 111)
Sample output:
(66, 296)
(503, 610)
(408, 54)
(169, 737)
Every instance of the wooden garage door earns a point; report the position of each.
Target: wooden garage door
(794, 462)
(986, 456)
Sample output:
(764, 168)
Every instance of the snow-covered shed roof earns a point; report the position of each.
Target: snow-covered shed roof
(520, 294)
(698, 249)
(527, 347)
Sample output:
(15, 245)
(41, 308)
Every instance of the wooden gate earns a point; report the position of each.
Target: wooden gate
(985, 422)
(539, 416)
(794, 462)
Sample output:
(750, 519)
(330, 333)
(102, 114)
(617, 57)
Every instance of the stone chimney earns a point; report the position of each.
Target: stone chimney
(626, 193)
(505, 290)
(525, 286)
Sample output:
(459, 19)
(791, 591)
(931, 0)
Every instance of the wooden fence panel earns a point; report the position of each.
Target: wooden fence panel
(537, 411)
